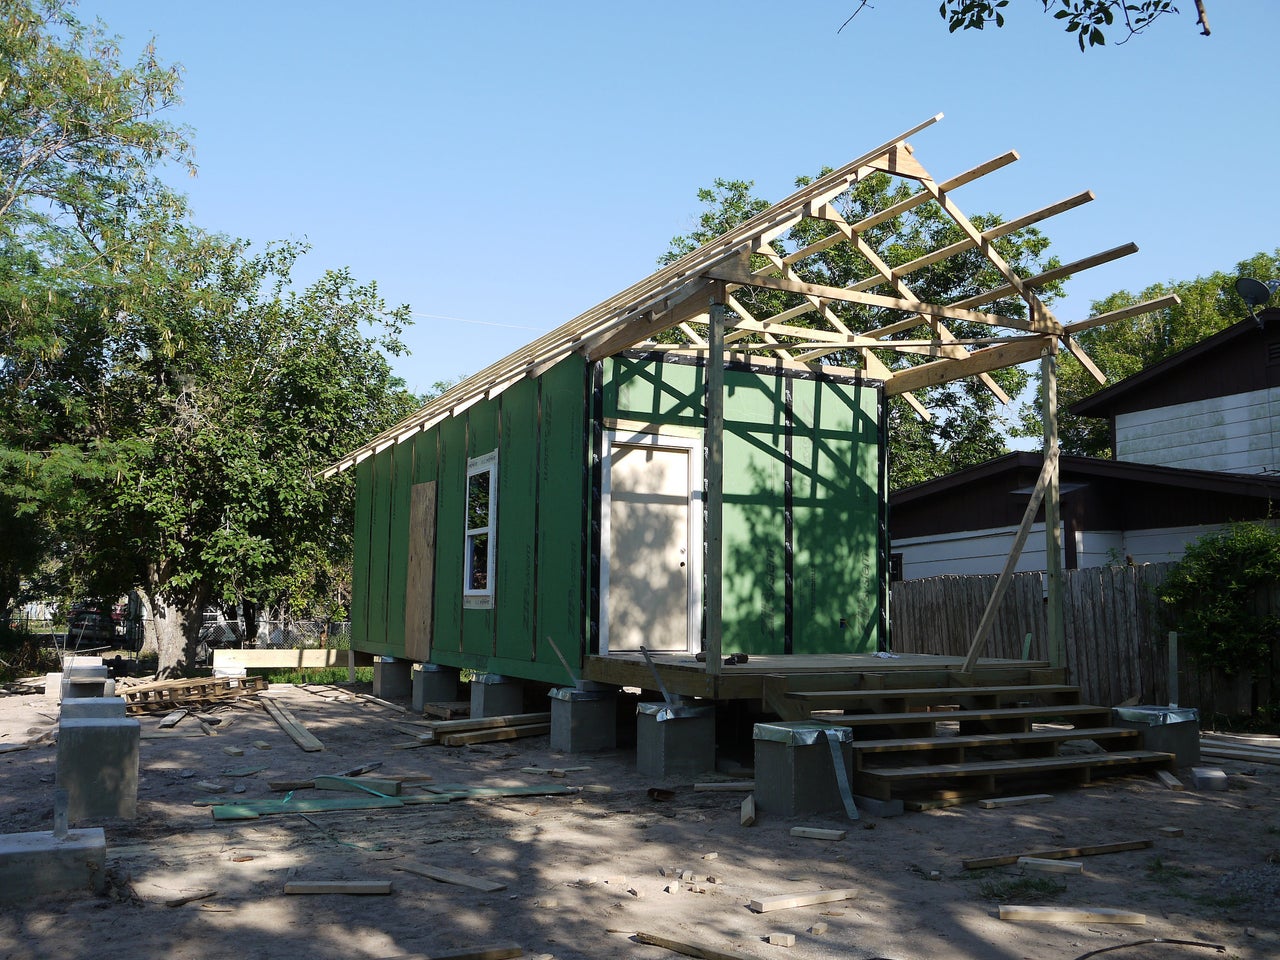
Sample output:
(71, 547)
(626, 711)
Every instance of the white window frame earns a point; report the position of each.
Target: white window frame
(474, 597)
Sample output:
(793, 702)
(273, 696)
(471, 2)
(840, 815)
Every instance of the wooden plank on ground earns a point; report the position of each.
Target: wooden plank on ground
(441, 727)
(998, 802)
(359, 887)
(789, 900)
(1039, 865)
(725, 786)
(172, 719)
(290, 725)
(497, 951)
(818, 833)
(1065, 915)
(453, 877)
(701, 951)
(1066, 853)
(492, 736)
(382, 785)
(747, 814)
(1169, 780)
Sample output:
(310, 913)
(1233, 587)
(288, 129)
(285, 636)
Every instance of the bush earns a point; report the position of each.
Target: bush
(1218, 598)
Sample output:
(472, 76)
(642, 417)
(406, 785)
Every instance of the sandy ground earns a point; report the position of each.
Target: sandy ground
(584, 873)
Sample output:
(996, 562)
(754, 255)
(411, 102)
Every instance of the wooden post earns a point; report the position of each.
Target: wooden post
(1052, 512)
(713, 483)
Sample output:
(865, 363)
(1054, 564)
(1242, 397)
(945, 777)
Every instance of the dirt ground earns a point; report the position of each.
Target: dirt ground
(584, 873)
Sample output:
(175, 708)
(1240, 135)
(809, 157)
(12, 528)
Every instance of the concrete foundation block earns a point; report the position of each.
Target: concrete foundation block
(433, 683)
(795, 774)
(84, 680)
(92, 707)
(493, 695)
(875, 807)
(583, 721)
(391, 678)
(79, 660)
(1173, 730)
(670, 747)
(98, 767)
(36, 864)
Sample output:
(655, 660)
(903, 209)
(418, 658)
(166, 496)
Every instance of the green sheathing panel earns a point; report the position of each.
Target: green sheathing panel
(379, 552)
(482, 437)
(398, 545)
(647, 392)
(447, 634)
(515, 601)
(836, 518)
(361, 550)
(754, 588)
(562, 559)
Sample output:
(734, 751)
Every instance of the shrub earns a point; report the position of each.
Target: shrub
(1217, 595)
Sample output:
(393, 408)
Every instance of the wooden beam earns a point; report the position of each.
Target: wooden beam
(978, 361)
(1147, 306)
(290, 725)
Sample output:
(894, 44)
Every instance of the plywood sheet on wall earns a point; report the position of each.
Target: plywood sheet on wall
(421, 571)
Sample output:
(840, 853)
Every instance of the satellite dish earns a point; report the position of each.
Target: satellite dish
(1255, 293)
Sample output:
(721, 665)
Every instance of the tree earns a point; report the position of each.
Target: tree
(1121, 349)
(79, 141)
(966, 428)
(1088, 20)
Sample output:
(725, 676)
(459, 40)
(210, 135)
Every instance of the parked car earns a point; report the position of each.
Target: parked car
(90, 621)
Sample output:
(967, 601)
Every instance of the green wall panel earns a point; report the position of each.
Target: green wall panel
(516, 566)
(561, 463)
(426, 452)
(836, 518)
(754, 591)
(398, 545)
(379, 552)
(361, 550)
(649, 392)
(450, 532)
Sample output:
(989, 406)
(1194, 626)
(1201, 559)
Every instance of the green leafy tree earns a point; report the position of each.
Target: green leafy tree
(967, 425)
(1089, 21)
(1217, 595)
(79, 141)
(1209, 304)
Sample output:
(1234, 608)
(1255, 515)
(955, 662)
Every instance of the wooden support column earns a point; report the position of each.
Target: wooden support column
(713, 484)
(1052, 508)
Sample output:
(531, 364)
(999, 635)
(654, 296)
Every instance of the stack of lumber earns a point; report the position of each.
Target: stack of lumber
(156, 696)
(1250, 748)
(460, 733)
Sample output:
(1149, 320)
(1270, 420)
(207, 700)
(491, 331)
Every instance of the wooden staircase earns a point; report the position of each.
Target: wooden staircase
(948, 735)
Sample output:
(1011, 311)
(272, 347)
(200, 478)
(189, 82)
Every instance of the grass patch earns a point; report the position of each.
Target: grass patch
(1021, 889)
(314, 675)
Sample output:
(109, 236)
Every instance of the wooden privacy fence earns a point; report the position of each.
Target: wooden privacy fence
(1116, 642)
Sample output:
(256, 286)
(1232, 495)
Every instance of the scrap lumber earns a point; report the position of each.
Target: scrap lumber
(499, 951)
(787, 901)
(358, 887)
(441, 727)
(12, 747)
(997, 802)
(201, 895)
(1169, 780)
(154, 696)
(1066, 853)
(380, 785)
(1040, 865)
(172, 719)
(290, 725)
(463, 791)
(448, 710)
(692, 949)
(818, 833)
(747, 813)
(1222, 751)
(496, 734)
(1064, 915)
(453, 877)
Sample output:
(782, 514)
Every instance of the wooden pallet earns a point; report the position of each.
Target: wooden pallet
(163, 695)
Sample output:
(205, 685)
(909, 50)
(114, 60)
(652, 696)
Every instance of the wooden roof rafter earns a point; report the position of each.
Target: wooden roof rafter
(879, 329)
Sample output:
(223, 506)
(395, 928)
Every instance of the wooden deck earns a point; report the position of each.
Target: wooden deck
(771, 676)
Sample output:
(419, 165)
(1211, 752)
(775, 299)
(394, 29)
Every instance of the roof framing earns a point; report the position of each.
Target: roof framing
(913, 351)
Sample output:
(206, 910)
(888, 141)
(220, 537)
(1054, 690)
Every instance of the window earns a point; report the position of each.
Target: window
(481, 525)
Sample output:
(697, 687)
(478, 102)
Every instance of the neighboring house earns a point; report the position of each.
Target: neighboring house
(1194, 447)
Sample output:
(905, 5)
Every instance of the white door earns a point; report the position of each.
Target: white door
(649, 593)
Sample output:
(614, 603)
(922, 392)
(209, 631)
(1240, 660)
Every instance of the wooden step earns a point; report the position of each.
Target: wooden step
(1007, 717)
(959, 744)
(895, 700)
(879, 782)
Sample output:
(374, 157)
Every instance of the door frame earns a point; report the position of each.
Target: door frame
(693, 447)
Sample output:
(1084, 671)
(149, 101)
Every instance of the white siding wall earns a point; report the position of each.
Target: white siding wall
(1237, 434)
(985, 551)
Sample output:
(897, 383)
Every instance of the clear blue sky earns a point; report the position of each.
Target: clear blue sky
(512, 164)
